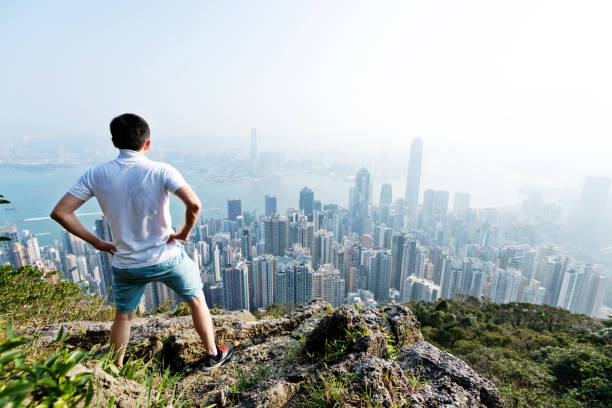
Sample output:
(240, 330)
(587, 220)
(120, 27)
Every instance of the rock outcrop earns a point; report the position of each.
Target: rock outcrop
(345, 357)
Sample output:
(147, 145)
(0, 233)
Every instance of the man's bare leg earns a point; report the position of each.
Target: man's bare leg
(202, 323)
(120, 335)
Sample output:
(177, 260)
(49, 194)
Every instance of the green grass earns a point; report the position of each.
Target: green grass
(328, 391)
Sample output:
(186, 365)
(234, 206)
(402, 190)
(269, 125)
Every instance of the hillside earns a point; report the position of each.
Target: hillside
(538, 356)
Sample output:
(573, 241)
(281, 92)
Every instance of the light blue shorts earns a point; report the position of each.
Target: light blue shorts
(180, 274)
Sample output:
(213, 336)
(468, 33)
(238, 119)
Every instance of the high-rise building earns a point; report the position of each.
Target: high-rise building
(534, 293)
(264, 272)
(506, 285)
(377, 265)
(595, 290)
(293, 281)
(104, 233)
(270, 205)
(461, 208)
(452, 277)
(234, 208)
(572, 292)
(307, 200)
(276, 235)
(236, 286)
(19, 256)
(413, 178)
(435, 204)
(386, 195)
(216, 263)
(246, 242)
(253, 157)
(590, 220)
(473, 277)
(419, 289)
(328, 284)
(361, 202)
(322, 248)
(397, 253)
(409, 265)
(155, 294)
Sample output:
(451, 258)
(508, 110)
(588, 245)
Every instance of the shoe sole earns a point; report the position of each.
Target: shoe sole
(220, 363)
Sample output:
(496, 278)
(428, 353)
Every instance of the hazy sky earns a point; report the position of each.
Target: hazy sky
(519, 88)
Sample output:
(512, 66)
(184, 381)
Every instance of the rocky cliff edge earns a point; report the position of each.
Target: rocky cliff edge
(312, 356)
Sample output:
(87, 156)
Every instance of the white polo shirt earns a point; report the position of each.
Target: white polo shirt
(133, 194)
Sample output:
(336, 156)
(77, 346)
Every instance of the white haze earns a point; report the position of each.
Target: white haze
(502, 93)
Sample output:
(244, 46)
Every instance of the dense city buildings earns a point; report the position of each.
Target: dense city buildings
(397, 251)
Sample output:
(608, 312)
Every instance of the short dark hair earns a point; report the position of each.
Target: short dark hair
(129, 131)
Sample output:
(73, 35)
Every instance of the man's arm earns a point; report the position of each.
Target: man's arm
(192, 212)
(63, 213)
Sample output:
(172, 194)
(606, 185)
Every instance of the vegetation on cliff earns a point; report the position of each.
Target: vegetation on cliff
(537, 355)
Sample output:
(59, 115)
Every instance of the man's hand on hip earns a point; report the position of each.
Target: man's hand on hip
(181, 236)
(106, 247)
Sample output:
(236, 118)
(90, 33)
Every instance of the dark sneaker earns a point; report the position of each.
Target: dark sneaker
(224, 353)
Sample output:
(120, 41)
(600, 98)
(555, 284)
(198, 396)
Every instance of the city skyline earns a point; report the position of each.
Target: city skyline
(366, 253)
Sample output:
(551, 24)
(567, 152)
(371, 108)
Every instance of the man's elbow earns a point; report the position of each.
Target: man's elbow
(55, 215)
(195, 206)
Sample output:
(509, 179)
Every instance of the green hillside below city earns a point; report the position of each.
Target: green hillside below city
(538, 355)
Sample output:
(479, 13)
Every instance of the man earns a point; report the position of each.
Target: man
(133, 194)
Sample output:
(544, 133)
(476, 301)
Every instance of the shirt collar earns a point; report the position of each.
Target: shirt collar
(130, 155)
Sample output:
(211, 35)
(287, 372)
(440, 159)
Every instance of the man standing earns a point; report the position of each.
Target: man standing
(133, 194)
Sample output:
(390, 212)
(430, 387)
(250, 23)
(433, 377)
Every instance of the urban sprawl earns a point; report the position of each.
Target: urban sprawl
(397, 251)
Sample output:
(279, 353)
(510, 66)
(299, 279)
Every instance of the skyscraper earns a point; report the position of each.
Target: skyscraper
(386, 195)
(322, 253)
(307, 200)
(293, 281)
(276, 235)
(270, 205)
(377, 265)
(361, 202)
(506, 285)
(264, 271)
(104, 233)
(413, 178)
(452, 277)
(246, 242)
(328, 284)
(397, 253)
(590, 218)
(253, 157)
(236, 286)
(461, 208)
(234, 208)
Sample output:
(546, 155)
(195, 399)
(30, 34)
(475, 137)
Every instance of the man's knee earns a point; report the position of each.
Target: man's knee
(197, 301)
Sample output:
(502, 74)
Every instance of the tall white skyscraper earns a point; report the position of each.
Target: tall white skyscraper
(360, 205)
(413, 178)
